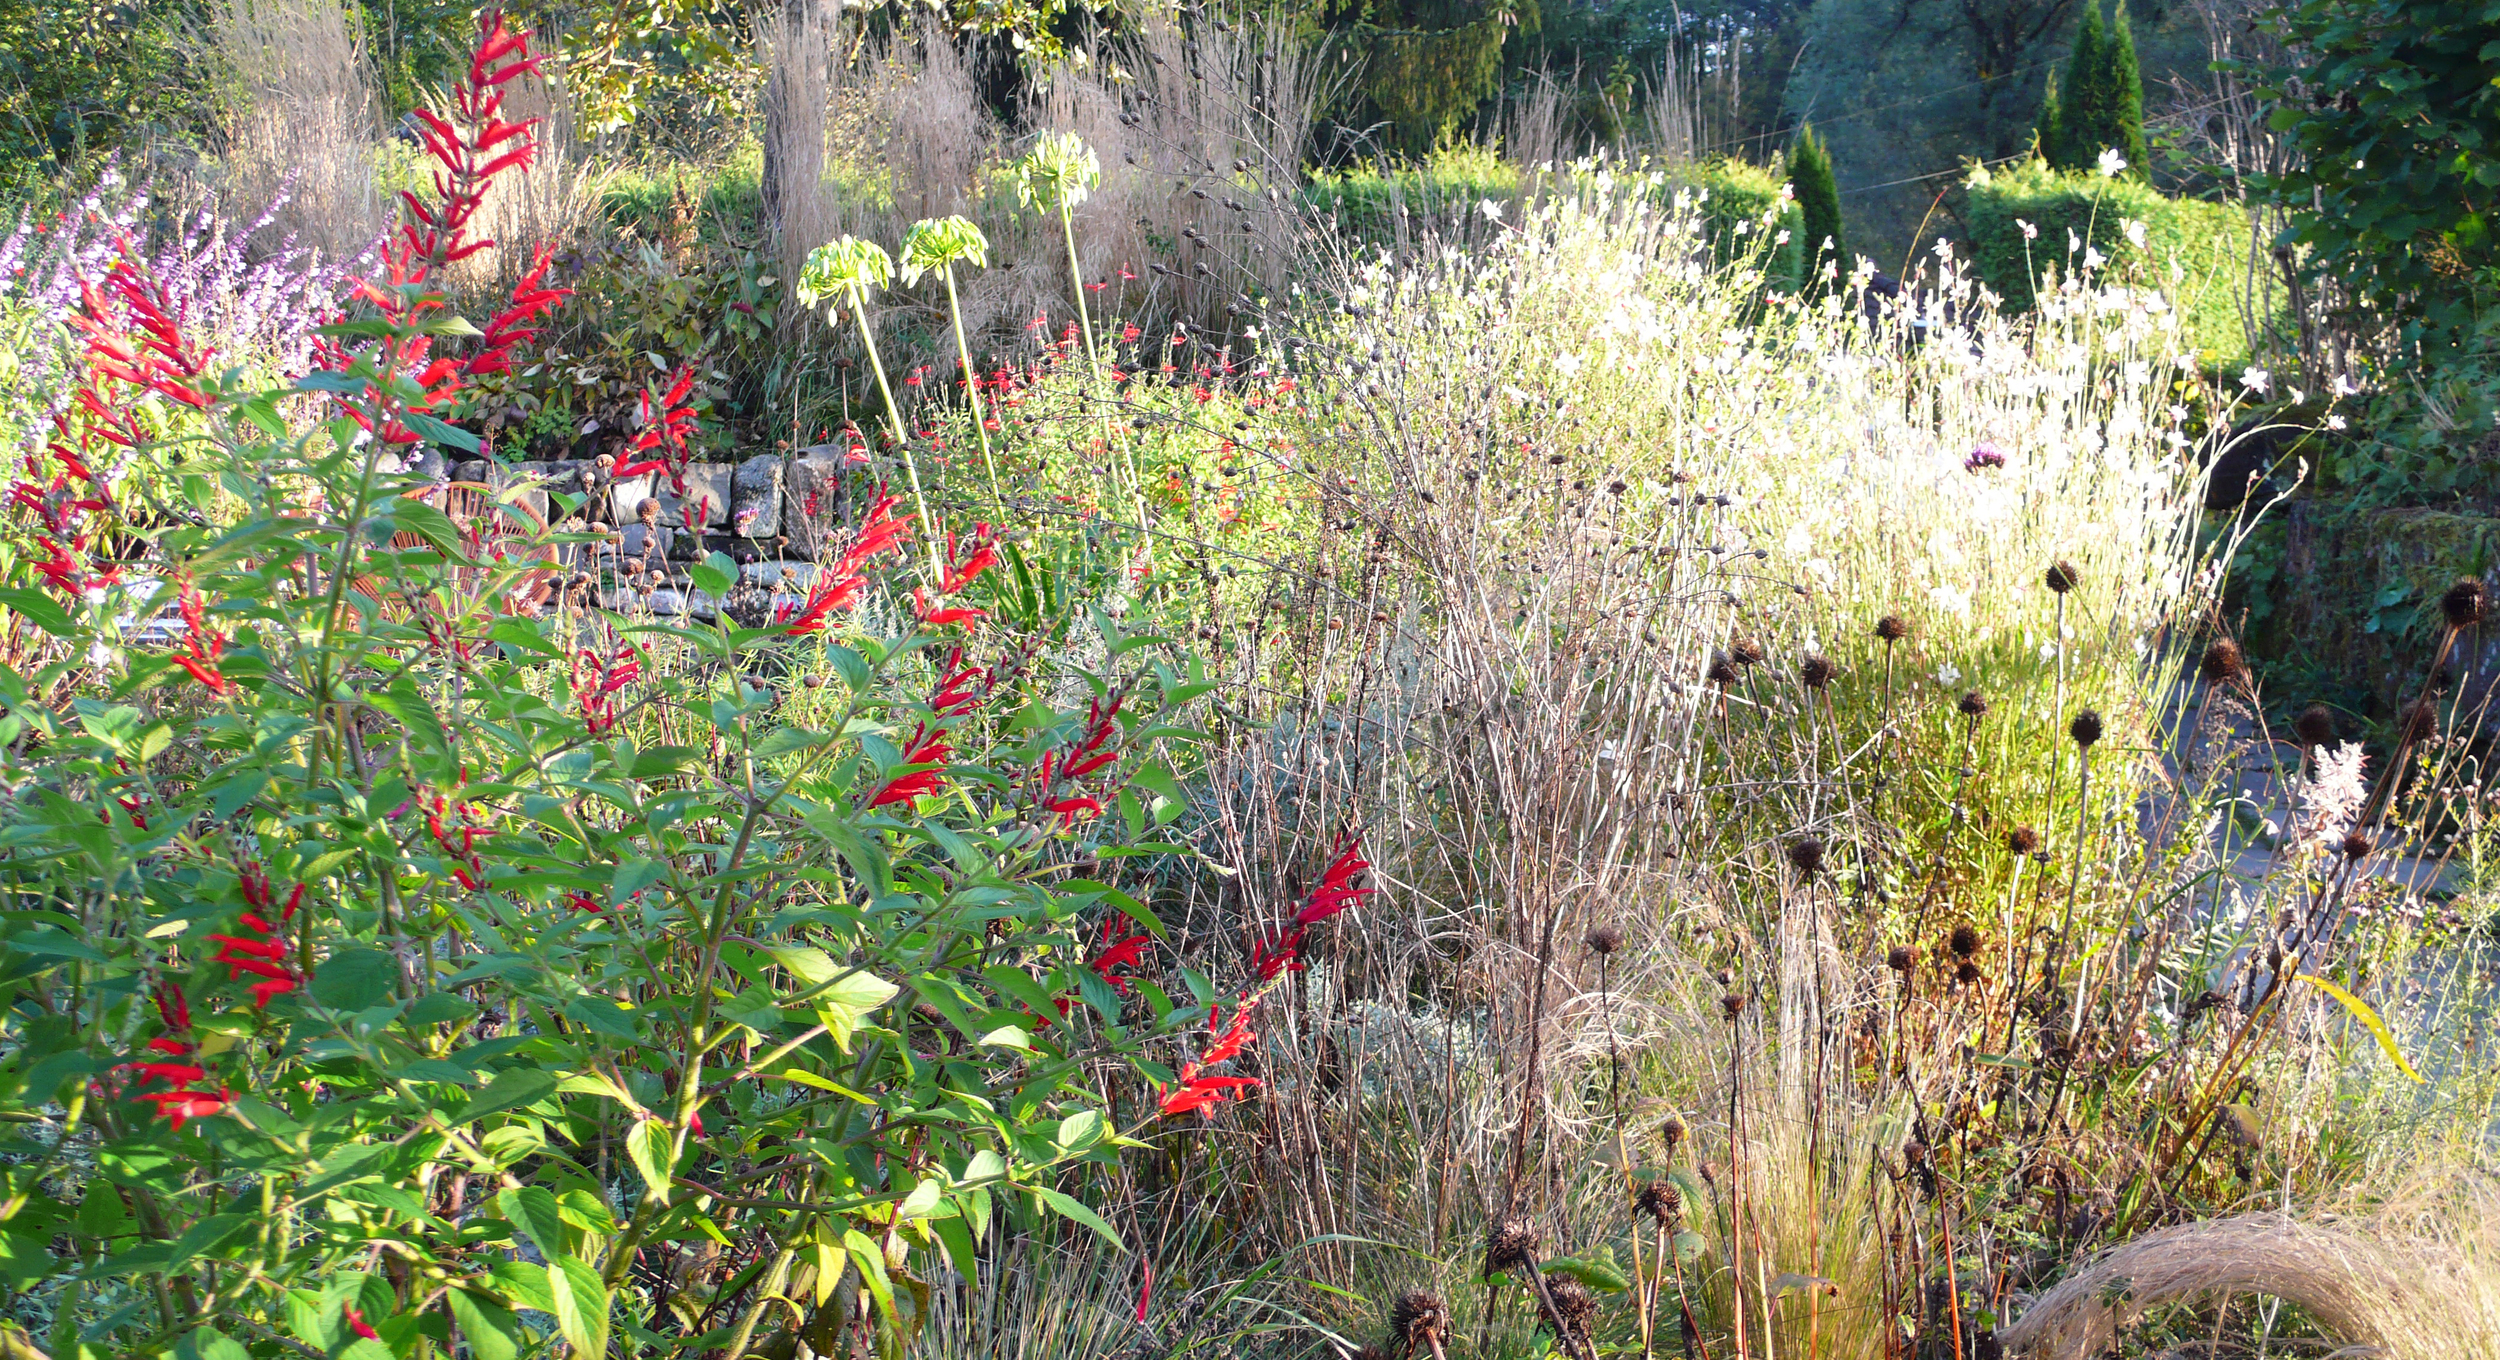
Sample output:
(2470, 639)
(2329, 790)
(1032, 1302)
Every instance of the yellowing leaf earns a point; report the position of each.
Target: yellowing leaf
(2369, 1018)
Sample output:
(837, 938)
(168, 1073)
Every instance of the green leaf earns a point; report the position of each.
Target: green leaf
(509, 1091)
(2369, 1018)
(1593, 1273)
(491, 1330)
(653, 1147)
(355, 979)
(871, 1259)
(581, 1306)
(210, 1344)
(440, 433)
(40, 610)
(532, 1209)
(1077, 1213)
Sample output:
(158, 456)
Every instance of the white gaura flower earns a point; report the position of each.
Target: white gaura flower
(2111, 162)
(1948, 676)
(2092, 258)
(2335, 422)
(2030, 232)
(1492, 211)
(2135, 233)
(2256, 379)
(1800, 540)
(1951, 600)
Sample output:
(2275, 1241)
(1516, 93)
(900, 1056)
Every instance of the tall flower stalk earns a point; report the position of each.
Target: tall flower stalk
(850, 267)
(938, 245)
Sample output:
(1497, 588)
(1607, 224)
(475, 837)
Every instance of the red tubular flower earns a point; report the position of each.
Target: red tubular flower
(1336, 887)
(582, 901)
(1196, 1090)
(927, 747)
(516, 324)
(663, 442)
(597, 679)
(1127, 953)
(356, 1323)
(1068, 808)
(1094, 749)
(839, 583)
(202, 645)
(979, 555)
(178, 1106)
(261, 952)
(962, 689)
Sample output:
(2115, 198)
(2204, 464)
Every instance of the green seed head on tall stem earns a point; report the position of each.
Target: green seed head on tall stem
(843, 265)
(1060, 172)
(935, 244)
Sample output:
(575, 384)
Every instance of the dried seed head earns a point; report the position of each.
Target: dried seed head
(1418, 1318)
(2061, 576)
(647, 510)
(2086, 728)
(2223, 664)
(1964, 941)
(2316, 726)
(2463, 604)
(1966, 972)
(1512, 1242)
(1892, 628)
(2418, 721)
(2356, 846)
(2022, 840)
(1605, 940)
(1660, 1200)
(1733, 1003)
(1722, 670)
(1974, 704)
(1899, 958)
(1574, 1303)
(1806, 853)
(1815, 670)
(1672, 1130)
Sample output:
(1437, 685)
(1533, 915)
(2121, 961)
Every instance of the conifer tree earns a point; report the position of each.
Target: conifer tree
(1818, 198)
(2078, 110)
(2048, 135)
(2125, 129)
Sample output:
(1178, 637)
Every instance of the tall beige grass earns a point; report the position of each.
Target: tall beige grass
(798, 41)
(310, 124)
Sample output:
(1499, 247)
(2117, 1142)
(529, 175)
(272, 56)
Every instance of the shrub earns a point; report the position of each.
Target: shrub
(1738, 200)
(2197, 252)
(1818, 201)
(390, 959)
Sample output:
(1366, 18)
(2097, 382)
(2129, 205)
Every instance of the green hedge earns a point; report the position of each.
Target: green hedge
(1736, 198)
(2208, 241)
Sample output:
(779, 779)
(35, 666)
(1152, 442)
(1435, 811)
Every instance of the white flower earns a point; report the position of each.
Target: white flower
(2092, 257)
(2073, 242)
(1949, 600)
(2344, 387)
(2111, 162)
(1800, 540)
(1492, 210)
(1948, 677)
(1782, 238)
(2030, 232)
(2135, 233)
(2335, 422)
(2255, 379)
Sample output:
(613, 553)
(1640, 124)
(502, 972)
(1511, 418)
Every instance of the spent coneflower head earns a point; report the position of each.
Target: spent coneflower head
(1806, 854)
(2463, 602)
(1815, 670)
(2086, 728)
(2356, 846)
(1661, 1201)
(1672, 1131)
(1722, 671)
(2316, 726)
(1733, 1003)
(1511, 1243)
(1964, 941)
(1892, 628)
(1744, 651)
(2061, 576)
(1974, 705)
(1966, 972)
(1574, 1303)
(1419, 1318)
(2417, 721)
(2022, 840)
(1900, 958)
(1605, 940)
(2223, 663)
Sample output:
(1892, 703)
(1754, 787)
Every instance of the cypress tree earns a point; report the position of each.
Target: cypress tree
(2080, 113)
(1818, 198)
(2126, 92)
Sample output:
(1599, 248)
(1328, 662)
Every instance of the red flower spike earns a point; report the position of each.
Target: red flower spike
(1336, 889)
(839, 583)
(927, 747)
(178, 1106)
(356, 1323)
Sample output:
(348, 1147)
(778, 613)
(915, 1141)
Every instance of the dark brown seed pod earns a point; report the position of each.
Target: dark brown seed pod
(1974, 704)
(2463, 602)
(2315, 725)
(1733, 1003)
(1744, 651)
(2418, 721)
(2223, 663)
(2022, 840)
(1419, 1318)
(1722, 671)
(1574, 1303)
(1806, 853)
(1966, 972)
(1660, 1201)
(1900, 958)
(2356, 846)
(2061, 576)
(1671, 1130)
(1605, 940)
(1892, 628)
(1815, 670)
(1512, 1242)
(2086, 728)
(1964, 941)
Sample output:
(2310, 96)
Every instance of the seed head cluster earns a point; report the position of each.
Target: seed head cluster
(1806, 854)
(2086, 728)
(2316, 726)
(1815, 670)
(1605, 940)
(1892, 628)
(2463, 602)
(2223, 663)
(2061, 576)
